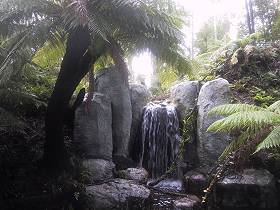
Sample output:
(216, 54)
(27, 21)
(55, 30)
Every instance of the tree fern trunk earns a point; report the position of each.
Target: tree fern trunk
(75, 65)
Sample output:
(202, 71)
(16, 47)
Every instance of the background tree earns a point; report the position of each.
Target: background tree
(205, 39)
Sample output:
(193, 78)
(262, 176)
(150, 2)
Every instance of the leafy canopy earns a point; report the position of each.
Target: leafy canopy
(30, 26)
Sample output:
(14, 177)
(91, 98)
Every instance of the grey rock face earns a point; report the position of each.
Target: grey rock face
(92, 130)
(140, 96)
(184, 96)
(99, 169)
(253, 189)
(211, 145)
(139, 175)
(110, 82)
(115, 194)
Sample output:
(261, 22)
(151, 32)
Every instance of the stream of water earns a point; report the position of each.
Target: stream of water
(160, 138)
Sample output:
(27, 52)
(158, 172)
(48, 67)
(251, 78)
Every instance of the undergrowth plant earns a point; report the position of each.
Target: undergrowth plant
(258, 127)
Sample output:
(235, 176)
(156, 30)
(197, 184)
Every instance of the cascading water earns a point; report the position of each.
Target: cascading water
(160, 138)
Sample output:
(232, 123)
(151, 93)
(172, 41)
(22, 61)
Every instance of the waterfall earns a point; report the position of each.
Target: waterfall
(160, 138)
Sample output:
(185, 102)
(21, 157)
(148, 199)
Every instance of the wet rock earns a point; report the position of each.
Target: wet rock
(195, 182)
(92, 128)
(211, 145)
(140, 96)
(184, 96)
(190, 202)
(254, 189)
(99, 169)
(170, 185)
(139, 175)
(110, 82)
(116, 194)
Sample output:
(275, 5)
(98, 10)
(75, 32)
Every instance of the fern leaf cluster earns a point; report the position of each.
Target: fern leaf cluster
(249, 120)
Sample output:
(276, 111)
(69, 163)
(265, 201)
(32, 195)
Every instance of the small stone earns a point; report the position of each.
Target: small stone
(195, 182)
(190, 202)
(170, 185)
(139, 175)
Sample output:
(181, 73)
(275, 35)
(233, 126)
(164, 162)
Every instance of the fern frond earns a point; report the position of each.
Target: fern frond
(228, 109)
(275, 107)
(236, 143)
(272, 140)
(244, 120)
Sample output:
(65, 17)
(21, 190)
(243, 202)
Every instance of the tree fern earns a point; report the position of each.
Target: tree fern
(275, 107)
(272, 140)
(229, 109)
(235, 144)
(245, 119)
(253, 119)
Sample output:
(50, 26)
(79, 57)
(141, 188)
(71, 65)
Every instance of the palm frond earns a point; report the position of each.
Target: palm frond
(272, 140)
(244, 120)
(228, 109)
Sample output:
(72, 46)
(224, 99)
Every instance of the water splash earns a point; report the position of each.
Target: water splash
(160, 138)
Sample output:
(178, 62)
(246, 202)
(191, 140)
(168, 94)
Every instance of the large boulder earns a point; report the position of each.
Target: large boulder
(116, 194)
(184, 95)
(211, 145)
(253, 189)
(111, 82)
(140, 96)
(92, 129)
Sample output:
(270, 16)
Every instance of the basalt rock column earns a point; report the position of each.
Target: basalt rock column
(110, 82)
(211, 145)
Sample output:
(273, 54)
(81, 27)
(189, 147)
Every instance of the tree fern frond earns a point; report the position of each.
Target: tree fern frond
(49, 56)
(237, 143)
(228, 109)
(244, 120)
(272, 140)
(275, 107)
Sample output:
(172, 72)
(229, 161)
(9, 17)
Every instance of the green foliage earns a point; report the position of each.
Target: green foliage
(272, 140)
(229, 109)
(251, 121)
(166, 77)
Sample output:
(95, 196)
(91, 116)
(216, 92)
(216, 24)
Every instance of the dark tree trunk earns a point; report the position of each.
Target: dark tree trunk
(250, 16)
(75, 65)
